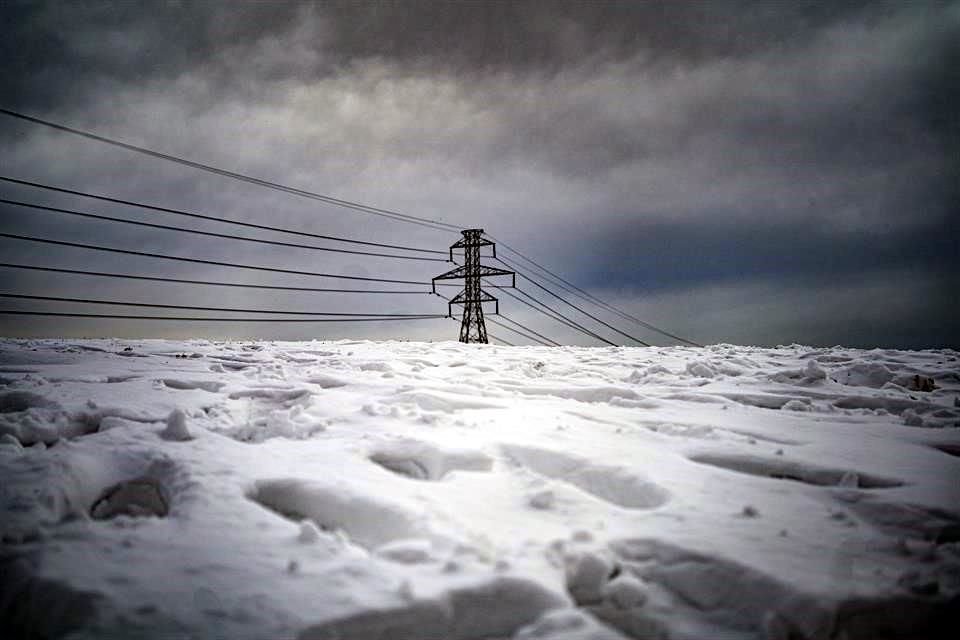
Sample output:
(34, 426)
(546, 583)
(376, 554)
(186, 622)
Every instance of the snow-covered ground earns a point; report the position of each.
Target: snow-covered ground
(361, 490)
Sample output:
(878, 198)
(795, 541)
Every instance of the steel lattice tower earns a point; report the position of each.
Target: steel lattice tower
(472, 328)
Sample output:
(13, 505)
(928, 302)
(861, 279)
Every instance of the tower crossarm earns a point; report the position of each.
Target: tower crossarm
(485, 271)
(453, 274)
(482, 271)
(472, 238)
(464, 299)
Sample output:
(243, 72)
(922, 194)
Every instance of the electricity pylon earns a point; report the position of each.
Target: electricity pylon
(472, 328)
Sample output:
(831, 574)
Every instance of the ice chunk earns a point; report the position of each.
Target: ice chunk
(494, 608)
(409, 551)
(138, 497)
(542, 499)
(700, 369)
(625, 592)
(587, 574)
(567, 624)
(176, 427)
(865, 374)
(813, 371)
(309, 533)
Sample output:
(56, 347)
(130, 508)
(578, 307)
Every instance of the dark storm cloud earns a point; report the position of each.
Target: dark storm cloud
(58, 52)
(54, 50)
(548, 36)
(669, 146)
(663, 256)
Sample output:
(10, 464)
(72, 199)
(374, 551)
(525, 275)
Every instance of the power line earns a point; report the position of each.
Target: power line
(152, 305)
(548, 276)
(199, 261)
(552, 313)
(584, 295)
(555, 315)
(8, 312)
(586, 313)
(201, 216)
(386, 213)
(592, 298)
(394, 215)
(97, 216)
(525, 328)
(203, 282)
(520, 333)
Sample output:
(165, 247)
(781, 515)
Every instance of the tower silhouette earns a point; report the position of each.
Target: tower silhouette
(472, 327)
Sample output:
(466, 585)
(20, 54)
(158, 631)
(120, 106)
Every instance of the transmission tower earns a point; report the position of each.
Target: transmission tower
(472, 328)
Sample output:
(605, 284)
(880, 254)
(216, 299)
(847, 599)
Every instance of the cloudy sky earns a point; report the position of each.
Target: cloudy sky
(748, 172)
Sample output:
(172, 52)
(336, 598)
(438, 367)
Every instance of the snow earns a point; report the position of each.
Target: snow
(176, 428)
(364, 490)
(625, 592)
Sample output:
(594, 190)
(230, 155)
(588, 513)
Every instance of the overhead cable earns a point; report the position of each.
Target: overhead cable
(97, 216)
(528, 329)
(201, 216)
(554, 314)
(394, 215)
(204, 282)
(519, 332)
(386, 213)
(499, 339)
(80, 245)
(9, 312)
(153, 305)
(586, 313)
(590, 297)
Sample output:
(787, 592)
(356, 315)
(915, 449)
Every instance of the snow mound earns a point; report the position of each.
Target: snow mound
(412, 551)
(782, 469)
(280, 396)
(865, 374)
(625, 592)
(494, 608)
(30, 418)
(137, 497)
(176, 428)
(368, 520)
(587, 573)
(68, 484)
(580, 393)
(424, 461)
(211, 386)
(619, 486)
(711, 369)
(325, 381)
(567, 624)
(309, 533)
(813, 371)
